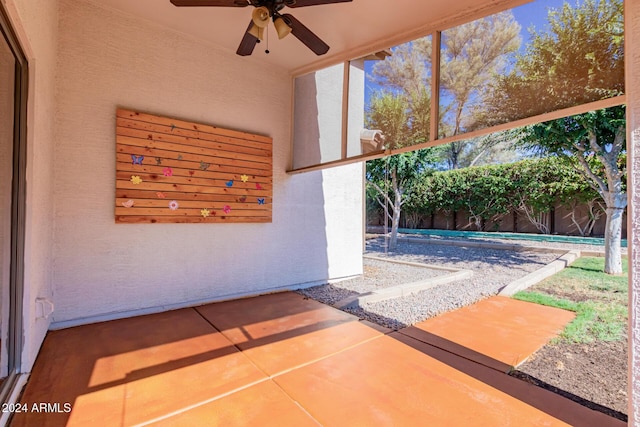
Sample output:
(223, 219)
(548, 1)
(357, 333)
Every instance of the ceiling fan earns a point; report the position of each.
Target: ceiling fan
(270, 9)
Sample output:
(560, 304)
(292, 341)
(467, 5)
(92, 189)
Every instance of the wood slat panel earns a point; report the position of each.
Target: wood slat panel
(171, 122)
(178, 171)
(137, 195)
(181, 220)
(175, 155)
(200, 189)
(188, 180)
(199, 151)
(250, 204)
(217, 142)
(188, 212)
(213, 175)
(191, 166)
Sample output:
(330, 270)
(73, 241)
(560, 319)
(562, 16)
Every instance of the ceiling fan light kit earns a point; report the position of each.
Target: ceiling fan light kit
(285, 24)
(282, 28)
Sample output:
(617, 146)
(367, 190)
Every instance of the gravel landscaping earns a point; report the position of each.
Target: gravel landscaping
(493, 269)
(377, 275)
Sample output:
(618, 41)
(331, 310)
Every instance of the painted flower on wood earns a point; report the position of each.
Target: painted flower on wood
(205, 212)
(244, 178)
(167, 171)
(226, 209)
(135, 179)
(173, 205)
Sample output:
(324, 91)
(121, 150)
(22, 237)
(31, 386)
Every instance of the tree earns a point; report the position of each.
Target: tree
(390, 113)
(593, 142)
(495, 148)
(579, 59)
(472, 54)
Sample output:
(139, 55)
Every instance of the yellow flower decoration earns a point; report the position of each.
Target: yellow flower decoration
(205, 212)
(244, 178)
(136, 179)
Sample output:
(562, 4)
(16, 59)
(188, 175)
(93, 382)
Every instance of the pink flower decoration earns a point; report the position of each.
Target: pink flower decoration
(226, 209)
(173, 205)
(167, 171)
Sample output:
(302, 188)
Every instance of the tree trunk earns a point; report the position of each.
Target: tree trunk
(612, 236)
(397, 208)
(395, 222)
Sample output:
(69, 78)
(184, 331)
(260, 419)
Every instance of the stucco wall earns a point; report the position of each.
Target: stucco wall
(632, 72)
(35, 22)
(317, 130)
(108, 59)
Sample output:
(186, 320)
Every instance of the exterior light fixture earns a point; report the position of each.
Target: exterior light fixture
(282, 28)
(260, 18)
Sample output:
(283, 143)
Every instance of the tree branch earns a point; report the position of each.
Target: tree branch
(586, 169)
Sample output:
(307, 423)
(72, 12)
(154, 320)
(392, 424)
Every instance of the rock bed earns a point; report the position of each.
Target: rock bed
(377, 275)
(493, 269)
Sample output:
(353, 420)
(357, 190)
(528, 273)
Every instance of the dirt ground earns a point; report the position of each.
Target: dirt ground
(593, 374)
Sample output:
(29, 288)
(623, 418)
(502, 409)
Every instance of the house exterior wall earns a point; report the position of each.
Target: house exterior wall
(632, 76)
(105, 270)
(35, 22)
(317, 130)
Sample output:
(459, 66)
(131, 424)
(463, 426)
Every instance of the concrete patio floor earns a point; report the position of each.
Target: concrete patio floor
(283, 360)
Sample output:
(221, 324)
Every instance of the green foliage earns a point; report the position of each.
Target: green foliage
(571, 135)
(472, 54)
(490, 192)
(391, 180)
(599, 300)
(391, 114)
(577, 58)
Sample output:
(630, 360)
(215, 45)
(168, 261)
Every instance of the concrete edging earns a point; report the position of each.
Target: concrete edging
(404, 289)
(540, 274)
(487, 245)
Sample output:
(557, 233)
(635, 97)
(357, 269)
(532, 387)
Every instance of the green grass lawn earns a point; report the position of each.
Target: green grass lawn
(599, 300)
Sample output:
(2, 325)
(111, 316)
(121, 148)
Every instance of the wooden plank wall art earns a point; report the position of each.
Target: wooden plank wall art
(172, 171)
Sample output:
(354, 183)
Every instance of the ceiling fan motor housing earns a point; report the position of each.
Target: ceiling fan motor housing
(270, 9)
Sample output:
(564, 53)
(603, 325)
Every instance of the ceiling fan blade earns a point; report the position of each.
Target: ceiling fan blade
(303, 3)
(305, 35)
(248, 42)
(215, 3)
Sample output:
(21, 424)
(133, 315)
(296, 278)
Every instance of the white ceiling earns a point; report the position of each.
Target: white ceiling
(358, 27)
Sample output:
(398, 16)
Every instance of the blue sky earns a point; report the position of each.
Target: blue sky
(534, 13)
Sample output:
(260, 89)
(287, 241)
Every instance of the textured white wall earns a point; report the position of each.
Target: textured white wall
(632, 60)
(35, 21)
(317, 131)
(356, 107)
(108, 59)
